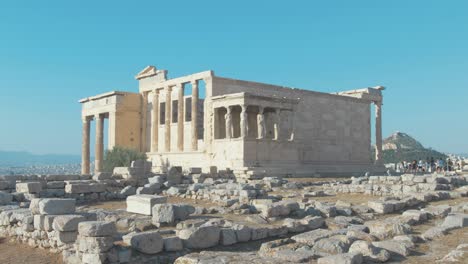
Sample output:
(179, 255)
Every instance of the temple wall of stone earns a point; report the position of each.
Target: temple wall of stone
(125, 130)
(328, 128)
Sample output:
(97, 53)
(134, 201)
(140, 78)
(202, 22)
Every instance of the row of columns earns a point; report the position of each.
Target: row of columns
(99, 118)
(261, 127)
(99, 144)
(180, 119)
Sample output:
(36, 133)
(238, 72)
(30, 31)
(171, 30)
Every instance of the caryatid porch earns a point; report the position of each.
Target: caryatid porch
(248, 116)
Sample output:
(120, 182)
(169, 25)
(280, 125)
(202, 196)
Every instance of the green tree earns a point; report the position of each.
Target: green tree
(120, 157)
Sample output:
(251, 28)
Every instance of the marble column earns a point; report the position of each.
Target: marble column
(144, 116)
(277, 124)
(261, 123)
(85, 147)
(180, 117)
(243, 122)
(228, 120)
(194, 115)
(99, 145)
(167, 123)
(378, 132)
(155, 121)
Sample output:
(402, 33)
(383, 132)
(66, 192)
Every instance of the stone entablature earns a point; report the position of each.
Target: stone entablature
(238, 125)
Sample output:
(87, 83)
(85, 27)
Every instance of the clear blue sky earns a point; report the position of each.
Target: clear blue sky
(53, 53)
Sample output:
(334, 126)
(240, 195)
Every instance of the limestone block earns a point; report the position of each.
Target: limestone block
(143, 203)
(48, 222)
(96, 228)
(153, 186)
(20, 197)
(66, 237)
(438, 210)
(100, 176)
(4, 185)
(39, 222)
(227, 237)
(395, 247)
(174, 175)
(311, 237)
(417, 215)
(128, 190)
(85, 188)
(434, 232)
(277, 231)
(313, 222)
(183, 211)
(387, 228)
(294, 225)
(57, 206)
(163, 214)
(157, 179)
(369, 252)
(17, 215)
(27, 223)
(93, 258)
(456, 221)
(5, 198)
(29, 187)
(150, 242)
(326, 209)
(397, 205)
(199, 238)
(56, 185)
(330, 246)
(173, 244)
(61, 178)
(243, 233)
(258, 233)
(95, 244)
(67, 222)
(173, 191)
(34, 205)
(145, 190)
(50, 193)
(381, 207)
(346, 258)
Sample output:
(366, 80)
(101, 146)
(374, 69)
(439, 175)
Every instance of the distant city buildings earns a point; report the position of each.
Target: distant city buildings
(74, 168)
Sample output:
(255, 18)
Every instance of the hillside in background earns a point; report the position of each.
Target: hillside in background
(401, 146)
(23, 158)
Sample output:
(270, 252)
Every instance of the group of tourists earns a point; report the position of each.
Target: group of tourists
(428, 165)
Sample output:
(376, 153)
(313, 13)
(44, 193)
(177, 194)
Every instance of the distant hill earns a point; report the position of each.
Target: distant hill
(23, 158)
(401, 146)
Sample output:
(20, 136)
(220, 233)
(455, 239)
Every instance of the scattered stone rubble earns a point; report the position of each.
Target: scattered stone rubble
(52, 212)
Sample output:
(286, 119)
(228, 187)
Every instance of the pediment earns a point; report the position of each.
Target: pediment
(147, 72)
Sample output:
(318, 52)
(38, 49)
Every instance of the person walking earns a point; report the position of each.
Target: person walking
(432, 164)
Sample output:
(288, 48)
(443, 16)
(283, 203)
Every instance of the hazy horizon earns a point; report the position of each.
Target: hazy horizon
(54, 54)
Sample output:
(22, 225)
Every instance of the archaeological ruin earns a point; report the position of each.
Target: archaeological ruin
(253, 129)
(222, 184)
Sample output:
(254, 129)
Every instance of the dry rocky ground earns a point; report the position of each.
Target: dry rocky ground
(196, 218)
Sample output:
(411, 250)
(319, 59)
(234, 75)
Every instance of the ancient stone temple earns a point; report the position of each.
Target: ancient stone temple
(254, 129)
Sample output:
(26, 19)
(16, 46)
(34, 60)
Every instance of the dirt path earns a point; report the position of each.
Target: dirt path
(15, 253)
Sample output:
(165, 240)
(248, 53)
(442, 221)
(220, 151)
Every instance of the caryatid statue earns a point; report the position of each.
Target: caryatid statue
(261, 123)
(243, 122)
(228, 118)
